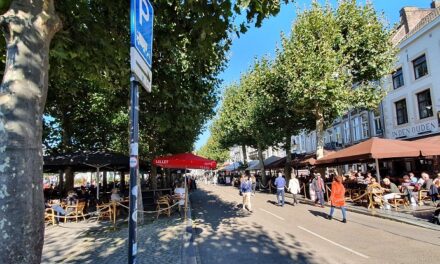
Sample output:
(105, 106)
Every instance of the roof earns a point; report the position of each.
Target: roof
(423, 22)
(266, 162)
(379, 148)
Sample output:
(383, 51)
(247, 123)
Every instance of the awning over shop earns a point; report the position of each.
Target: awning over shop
(379, 148)
(257, 165)
(184, 161)
(81, 161)
(232, 167)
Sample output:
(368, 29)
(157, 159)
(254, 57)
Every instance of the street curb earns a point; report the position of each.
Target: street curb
(189, 248)
(404, 221)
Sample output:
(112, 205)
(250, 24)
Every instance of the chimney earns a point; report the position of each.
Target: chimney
(435, 4)
(411, 16)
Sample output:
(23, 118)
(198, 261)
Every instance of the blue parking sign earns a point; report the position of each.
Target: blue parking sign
(141, 51)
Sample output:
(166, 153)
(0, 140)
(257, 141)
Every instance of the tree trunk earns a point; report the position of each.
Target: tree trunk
(243, 149)
(140, 203)
(263, 171)
(153, 176)
(319, 133)
(288, 166)
(104, 181)
(28, 27)
(69, 179)
(122, 181)
(61, 182)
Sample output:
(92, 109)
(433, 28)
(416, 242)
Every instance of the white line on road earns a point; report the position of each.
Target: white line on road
(334, 243)
(279, 217)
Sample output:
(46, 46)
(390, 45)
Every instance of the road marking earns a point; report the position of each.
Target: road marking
(334, 243)
(279, 217)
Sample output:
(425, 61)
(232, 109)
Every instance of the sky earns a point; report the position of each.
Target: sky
(258, 42)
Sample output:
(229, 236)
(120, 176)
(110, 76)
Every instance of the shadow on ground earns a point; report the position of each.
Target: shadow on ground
(158, 242)
(227, 235)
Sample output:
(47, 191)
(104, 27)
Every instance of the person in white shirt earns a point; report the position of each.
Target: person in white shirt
(179, 192)
(294, 188)
(115, 197)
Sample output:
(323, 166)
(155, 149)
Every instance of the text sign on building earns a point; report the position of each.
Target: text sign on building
(141, 48)
(416, 130)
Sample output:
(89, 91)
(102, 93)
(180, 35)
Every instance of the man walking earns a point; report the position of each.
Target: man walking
(246, 190)
(280, 183)
(294, 187)
(319, 188)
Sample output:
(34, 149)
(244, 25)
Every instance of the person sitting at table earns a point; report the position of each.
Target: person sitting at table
(407, 188)
(179, 192)
(374, 186)
(115, 197)
(391, 191)
(413, 177)
(367, 179)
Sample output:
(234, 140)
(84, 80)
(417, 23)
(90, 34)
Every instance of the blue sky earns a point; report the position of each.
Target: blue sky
(258, 42)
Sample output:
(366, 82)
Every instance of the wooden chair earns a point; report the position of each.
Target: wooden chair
(78, 211)
(397, 201)
(423, 196)
(105, 211)
(49, 216)
(375, 198)
(163, 202)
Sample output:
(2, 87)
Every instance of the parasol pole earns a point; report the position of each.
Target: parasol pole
(377, 170)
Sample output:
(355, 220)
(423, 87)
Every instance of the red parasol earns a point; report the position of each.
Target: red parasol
(184, 161)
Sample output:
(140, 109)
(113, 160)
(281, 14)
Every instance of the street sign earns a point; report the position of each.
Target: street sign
(141, 48)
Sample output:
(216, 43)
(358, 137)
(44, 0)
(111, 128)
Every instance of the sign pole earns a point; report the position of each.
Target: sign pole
(134, 139)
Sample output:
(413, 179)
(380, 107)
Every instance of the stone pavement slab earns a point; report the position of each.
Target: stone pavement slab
(158, 242)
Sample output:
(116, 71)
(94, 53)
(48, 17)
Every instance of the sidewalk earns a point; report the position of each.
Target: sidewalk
(160, 241)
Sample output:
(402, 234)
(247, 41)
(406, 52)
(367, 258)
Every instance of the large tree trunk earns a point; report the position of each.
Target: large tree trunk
(243, 149)
(69, 179)
(288, 166)
(319, 133)
(263, 170)
(28, 27)
(153, 176)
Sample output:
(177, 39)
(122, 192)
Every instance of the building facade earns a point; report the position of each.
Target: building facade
(412, 105)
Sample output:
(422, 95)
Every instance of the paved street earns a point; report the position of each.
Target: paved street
(300, 234)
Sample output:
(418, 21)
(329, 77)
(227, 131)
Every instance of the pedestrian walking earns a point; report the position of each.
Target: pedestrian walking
(254, 184)
(280, 183)
(246, 191)
(319, 187)
(337, 198)
(294, 187)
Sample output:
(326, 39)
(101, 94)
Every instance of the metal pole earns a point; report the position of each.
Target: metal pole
(97, 183)
(134, 164)
(377, 171)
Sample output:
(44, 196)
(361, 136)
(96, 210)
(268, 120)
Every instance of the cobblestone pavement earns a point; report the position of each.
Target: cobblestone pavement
(159, 242)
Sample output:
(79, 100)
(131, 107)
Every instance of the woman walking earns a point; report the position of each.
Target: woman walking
(246, 190)
(337, 198)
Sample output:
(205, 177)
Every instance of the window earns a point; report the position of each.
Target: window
(420, 67)
(398, 78)
(401, 113)
(357, 128)
(346, 132)
(378, 125)
(337, 132)
(365, 127)
(425, 104)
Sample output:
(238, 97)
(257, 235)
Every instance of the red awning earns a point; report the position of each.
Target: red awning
(184, 161)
